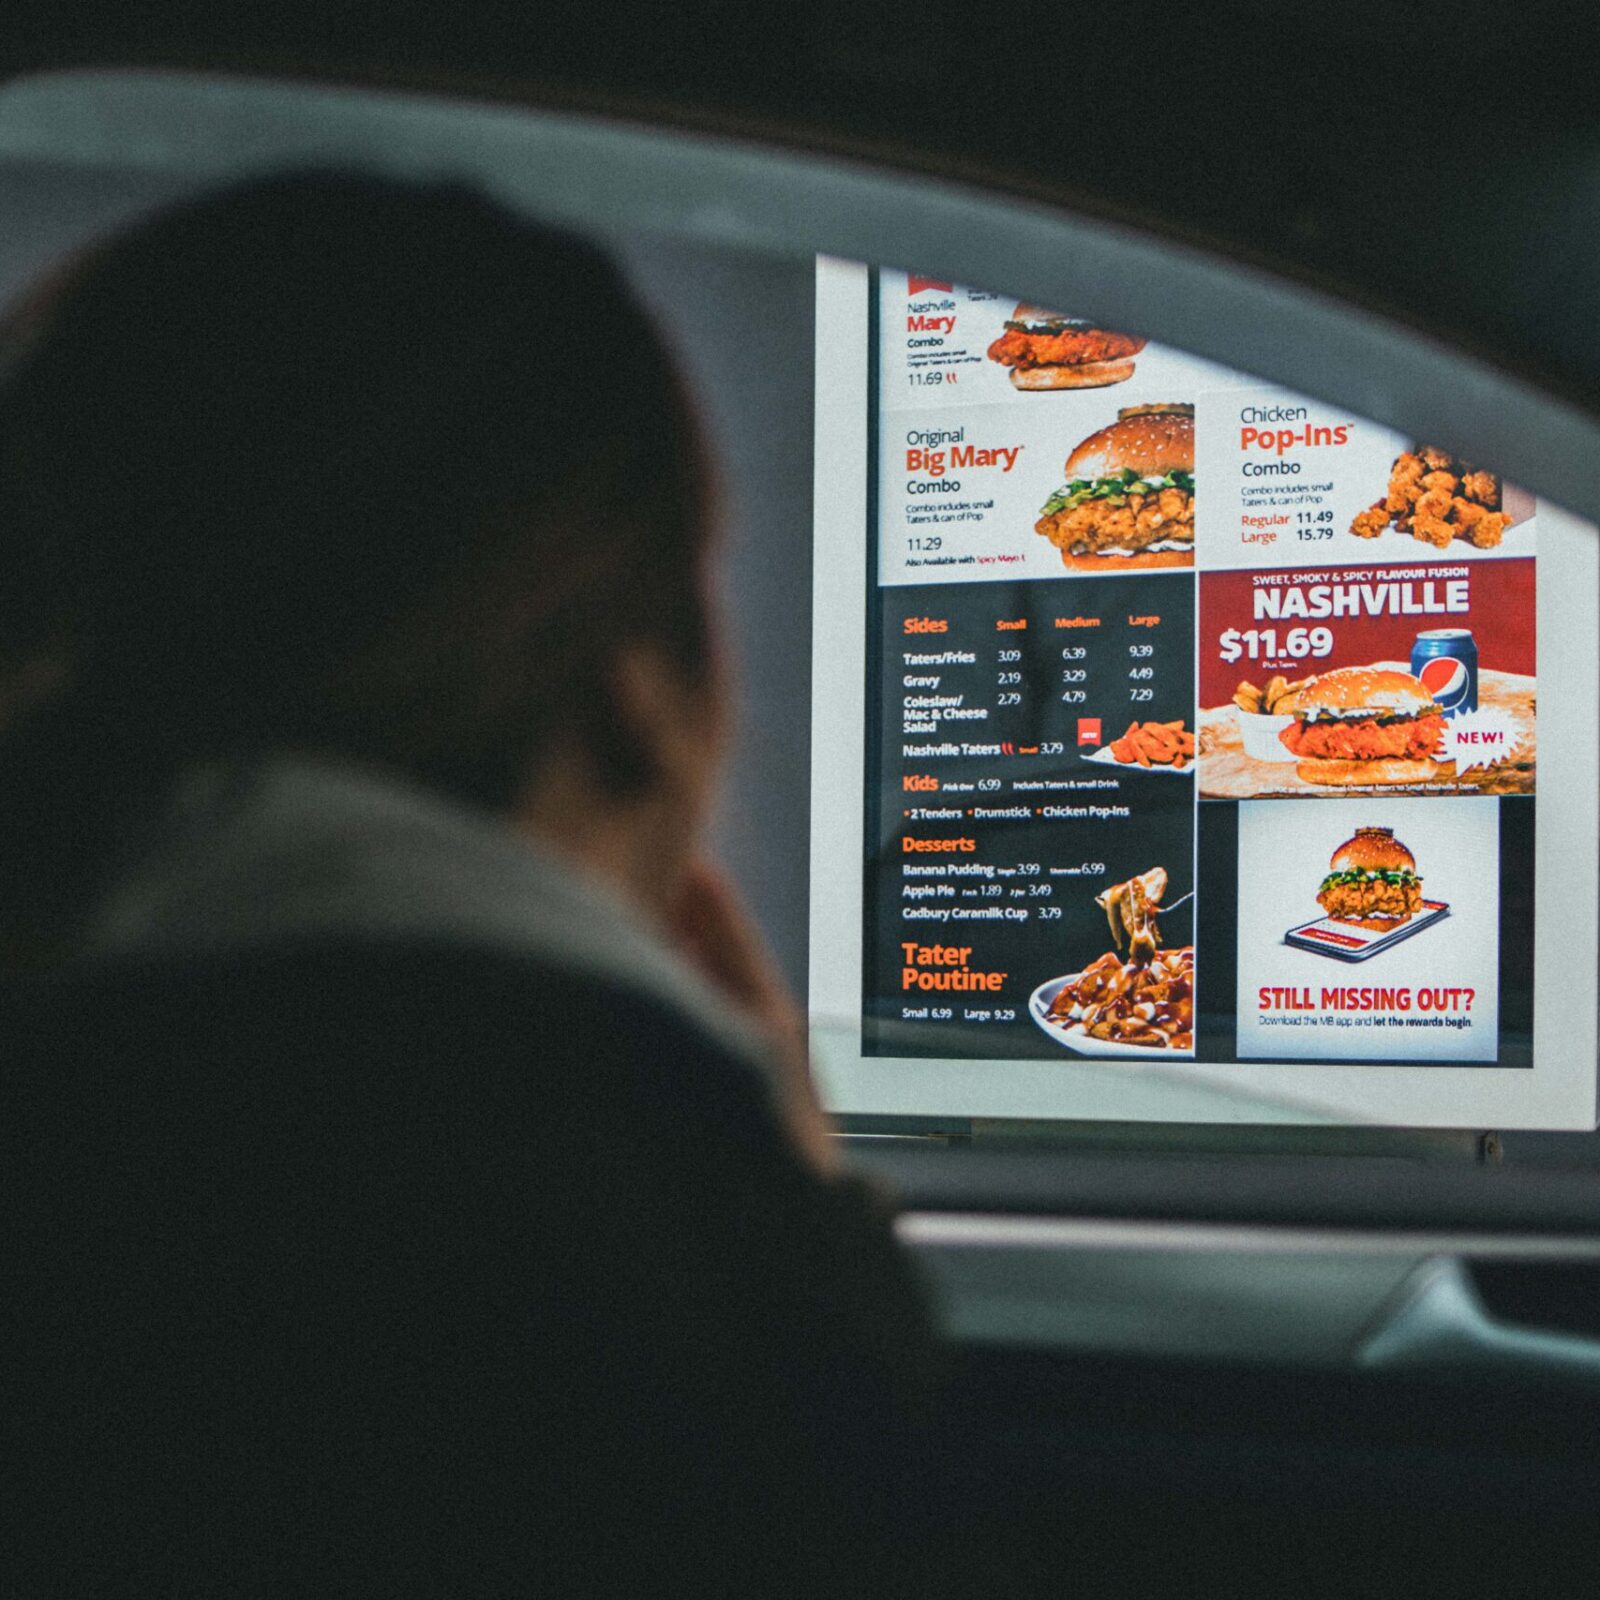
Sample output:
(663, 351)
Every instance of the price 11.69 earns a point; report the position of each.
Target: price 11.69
(1266, 644)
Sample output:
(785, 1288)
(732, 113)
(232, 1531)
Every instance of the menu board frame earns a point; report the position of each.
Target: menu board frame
(1558, 1090)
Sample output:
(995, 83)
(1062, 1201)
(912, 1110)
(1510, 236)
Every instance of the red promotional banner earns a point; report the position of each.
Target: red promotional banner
(1329, 680)
(1367, 613)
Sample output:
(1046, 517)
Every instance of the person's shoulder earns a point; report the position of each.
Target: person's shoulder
(623, 1113)
(418, 998)
(405, 973)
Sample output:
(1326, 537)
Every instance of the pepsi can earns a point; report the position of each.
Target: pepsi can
(1446, 659)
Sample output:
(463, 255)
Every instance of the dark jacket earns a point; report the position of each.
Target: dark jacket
(411, 1266)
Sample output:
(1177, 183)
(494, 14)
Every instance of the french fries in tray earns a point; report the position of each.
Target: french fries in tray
(1155, 744)
(1261, 700)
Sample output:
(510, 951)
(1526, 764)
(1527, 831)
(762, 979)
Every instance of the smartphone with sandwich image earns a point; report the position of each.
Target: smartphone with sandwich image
(1371, 899)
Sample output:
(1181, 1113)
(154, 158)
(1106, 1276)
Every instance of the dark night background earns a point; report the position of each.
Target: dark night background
(1432, 160)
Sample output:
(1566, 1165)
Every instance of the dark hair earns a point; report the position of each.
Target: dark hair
(330, 465)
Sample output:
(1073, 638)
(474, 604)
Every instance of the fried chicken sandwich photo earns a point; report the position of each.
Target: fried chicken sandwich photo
(1128, 501)
(1363, 725)
(1046, 350)
(1372, 882)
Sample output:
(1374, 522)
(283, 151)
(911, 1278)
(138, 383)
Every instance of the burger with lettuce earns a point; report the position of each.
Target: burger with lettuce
(1128, 501)
(1372, 882)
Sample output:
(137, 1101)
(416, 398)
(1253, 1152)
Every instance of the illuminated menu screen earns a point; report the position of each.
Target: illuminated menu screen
(1200, 716)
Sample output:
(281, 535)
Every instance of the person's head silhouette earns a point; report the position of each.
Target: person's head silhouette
(340, 467)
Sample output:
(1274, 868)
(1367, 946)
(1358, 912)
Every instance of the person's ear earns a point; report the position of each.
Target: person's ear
(677, 722)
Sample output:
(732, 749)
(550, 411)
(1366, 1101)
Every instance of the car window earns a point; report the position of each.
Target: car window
(724, 239)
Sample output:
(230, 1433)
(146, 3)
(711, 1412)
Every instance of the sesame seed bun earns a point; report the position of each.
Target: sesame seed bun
(1040, 316)
(1365, 774)
(1086, 375)
(1153, 440)
(1372, 850)
(1381, 691)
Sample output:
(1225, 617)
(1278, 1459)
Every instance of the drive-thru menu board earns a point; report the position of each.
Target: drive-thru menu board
(1201, 717)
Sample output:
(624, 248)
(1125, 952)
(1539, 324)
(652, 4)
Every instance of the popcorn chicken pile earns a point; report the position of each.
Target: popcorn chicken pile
(1438, 499)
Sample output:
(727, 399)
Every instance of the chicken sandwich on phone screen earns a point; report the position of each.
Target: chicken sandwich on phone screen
(1372, 882)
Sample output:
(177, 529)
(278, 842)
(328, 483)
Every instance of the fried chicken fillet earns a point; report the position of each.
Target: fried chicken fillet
(1356, 902)
(1070, 347)
(1336, 739)
(1437, 499)
(1134, 523)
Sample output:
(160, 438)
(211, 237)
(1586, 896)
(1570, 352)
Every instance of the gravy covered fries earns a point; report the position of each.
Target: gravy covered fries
(1130, 909)
(1149, 998)
(1155, 744)
(1147, 1003)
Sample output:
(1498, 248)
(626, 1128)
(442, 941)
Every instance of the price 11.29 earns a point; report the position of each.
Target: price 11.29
(1267, 644)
